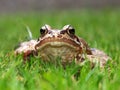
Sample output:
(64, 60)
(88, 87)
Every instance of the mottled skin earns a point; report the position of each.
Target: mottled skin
(63, 44)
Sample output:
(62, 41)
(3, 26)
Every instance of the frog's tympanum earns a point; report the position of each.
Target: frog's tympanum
(64, 44)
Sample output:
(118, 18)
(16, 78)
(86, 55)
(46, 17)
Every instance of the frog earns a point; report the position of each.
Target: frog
(63, 44)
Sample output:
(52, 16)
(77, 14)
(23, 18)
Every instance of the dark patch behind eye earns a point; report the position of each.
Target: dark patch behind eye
(63, 32)
(78, 40)
(38, 39)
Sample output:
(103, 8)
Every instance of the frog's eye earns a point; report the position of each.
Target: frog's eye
(43, 31)
(71, 31)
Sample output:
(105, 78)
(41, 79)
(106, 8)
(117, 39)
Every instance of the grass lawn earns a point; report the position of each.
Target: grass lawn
(101, 29)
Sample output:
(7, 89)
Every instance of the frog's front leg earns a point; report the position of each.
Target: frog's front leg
(28, 54)
(27, 49)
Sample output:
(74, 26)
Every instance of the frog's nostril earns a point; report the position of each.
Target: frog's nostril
(50, 32)
(59, 36)
(53, 36)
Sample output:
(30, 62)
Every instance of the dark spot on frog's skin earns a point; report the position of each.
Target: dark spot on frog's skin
(80, 58)
(88, 51)
(59, 36)
(53, 36)
(72, 36)
(78, 40)
(49, 32)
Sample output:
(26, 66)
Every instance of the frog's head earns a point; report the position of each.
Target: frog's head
(54, 42)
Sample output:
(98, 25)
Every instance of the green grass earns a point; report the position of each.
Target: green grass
(100, 29)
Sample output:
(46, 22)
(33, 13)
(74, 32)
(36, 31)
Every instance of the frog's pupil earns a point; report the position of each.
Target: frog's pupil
(42, 31)
(72, 31)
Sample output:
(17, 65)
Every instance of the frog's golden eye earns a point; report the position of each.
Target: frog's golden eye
(71, 31)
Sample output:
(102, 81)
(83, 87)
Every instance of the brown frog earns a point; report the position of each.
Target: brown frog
(54, 43)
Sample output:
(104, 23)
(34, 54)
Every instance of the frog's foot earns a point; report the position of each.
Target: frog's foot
(98, 57)
(28, 54)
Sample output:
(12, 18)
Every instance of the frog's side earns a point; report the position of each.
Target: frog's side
(64, 44)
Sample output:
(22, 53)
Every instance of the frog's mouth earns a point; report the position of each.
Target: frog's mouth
(57, 42)
(52, 48)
